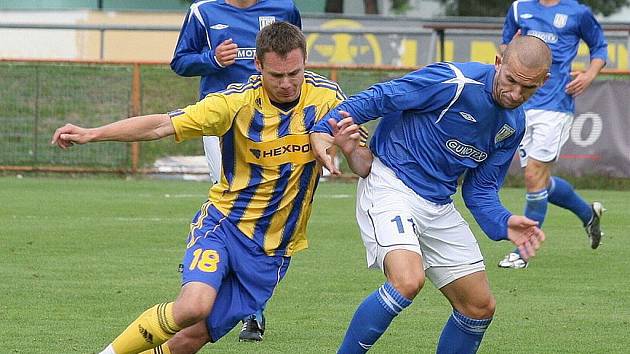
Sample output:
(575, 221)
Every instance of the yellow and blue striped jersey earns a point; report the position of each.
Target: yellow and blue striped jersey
(269, 173)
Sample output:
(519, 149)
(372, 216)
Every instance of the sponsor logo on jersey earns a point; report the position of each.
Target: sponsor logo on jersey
(280, 150)
(526, 16)
(245, 53)
(219, 26)
(560, 20)
(463, 150)
(505, 132)
(468, 117)
(265, 21)
(545, 36)
(294, 149)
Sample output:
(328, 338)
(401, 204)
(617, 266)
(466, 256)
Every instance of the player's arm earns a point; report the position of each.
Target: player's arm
(480, 191)
(352, 141)
(149, 127)
(194, 55)
(591, 32)
(419, 90)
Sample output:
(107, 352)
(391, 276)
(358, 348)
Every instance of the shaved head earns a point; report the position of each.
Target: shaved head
(531, 52)
(523, 68)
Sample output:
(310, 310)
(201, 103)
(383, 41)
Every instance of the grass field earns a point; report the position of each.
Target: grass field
(81, 258)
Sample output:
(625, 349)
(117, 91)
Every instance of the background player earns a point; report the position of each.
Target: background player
(561, 24)
(217, 42)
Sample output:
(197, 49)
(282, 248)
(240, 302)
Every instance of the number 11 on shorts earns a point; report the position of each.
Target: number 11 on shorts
(399, 224)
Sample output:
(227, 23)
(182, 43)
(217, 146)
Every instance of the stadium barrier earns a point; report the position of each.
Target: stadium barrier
(41, 95)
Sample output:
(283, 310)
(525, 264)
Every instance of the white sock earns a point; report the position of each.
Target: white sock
(108, 350)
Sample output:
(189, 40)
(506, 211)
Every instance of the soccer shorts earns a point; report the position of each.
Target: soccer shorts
(220, 255)
(546, 132)
(391, 216)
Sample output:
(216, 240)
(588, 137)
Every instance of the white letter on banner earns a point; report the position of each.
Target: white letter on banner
(578, 125)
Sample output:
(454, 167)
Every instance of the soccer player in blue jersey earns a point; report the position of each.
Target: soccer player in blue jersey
(241, 241)
(438, 124)
(561, 24)
(217, 42)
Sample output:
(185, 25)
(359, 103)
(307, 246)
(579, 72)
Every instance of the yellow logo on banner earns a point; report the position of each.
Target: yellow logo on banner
(294, 149)
(345, 48)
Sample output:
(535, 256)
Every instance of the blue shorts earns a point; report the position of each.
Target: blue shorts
(220, 255)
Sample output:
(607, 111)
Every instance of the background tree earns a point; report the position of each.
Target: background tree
(498, 8)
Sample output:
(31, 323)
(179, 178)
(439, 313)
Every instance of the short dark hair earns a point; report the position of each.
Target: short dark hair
(280, 38)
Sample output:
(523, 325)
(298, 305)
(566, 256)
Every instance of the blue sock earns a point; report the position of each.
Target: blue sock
(462, 335)
(562, 194)
(372, 318)
(536, 207)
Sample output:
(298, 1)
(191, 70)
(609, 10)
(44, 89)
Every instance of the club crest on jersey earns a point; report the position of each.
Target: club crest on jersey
(468, 117)
(505, 132)
(266, 20)
(464, 150)
(560, 20)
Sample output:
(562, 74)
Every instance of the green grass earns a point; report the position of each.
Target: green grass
(81, 258)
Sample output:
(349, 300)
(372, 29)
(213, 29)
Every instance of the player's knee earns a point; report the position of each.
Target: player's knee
(480, 308)
(192, 306)
(188, 343)
(408, 284)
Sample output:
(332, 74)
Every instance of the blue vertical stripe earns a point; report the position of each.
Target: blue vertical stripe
(279, 190)
(309, 117)
(285, 123)
(256, 126)
(255, 172)
(245, 196)
(228, 161)
(296, 211)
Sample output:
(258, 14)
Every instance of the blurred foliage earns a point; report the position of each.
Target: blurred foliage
(498, 8)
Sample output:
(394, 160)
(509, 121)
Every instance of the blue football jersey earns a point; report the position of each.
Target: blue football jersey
(561, 26)
(209, 23)
(439, 123)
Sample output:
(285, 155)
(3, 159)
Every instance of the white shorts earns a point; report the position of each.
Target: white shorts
(212, 148)
(391, 216)
(546, 132)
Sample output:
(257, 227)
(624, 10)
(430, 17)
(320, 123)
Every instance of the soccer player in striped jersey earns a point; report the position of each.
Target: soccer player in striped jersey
(241, 241)
(440, 123)
(218, 42)
(561, 24)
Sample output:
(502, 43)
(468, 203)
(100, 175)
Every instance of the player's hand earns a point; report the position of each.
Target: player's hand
(320, 143)
(346, 133)
(225, 53)
(69, 135)
(525, 234)
(581, 81)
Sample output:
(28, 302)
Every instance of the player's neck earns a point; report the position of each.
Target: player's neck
(242, 4)
(549, 3)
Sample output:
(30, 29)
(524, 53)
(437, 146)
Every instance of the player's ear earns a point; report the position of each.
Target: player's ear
(497, 60)
(258, 64)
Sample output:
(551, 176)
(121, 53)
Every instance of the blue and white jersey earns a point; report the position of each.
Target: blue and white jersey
(561, 26)
(209, 23)
(437, 124)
